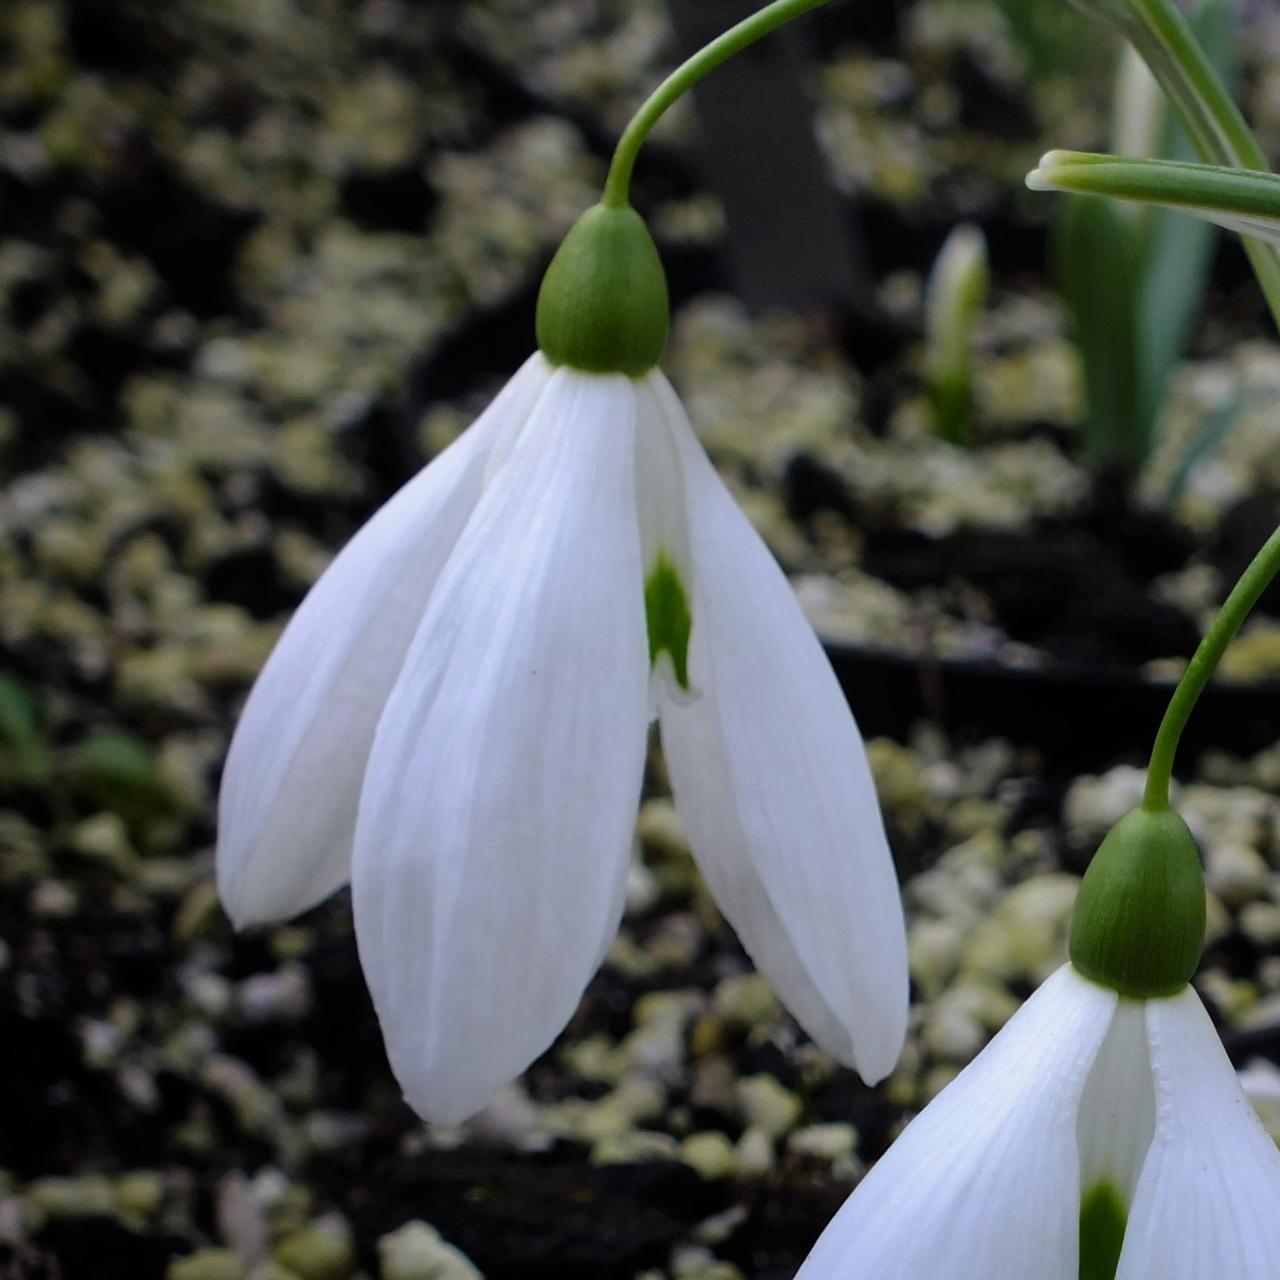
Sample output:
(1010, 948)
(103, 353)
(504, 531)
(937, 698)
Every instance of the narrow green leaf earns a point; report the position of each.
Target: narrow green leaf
(1053, 39)
(1242, 200)
(22, 732)
(1097, 259)
(1177, 252)
(1165, 38)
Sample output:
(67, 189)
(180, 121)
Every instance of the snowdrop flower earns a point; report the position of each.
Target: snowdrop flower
(456, 718)
(1119, 1120)
(1103, 1134)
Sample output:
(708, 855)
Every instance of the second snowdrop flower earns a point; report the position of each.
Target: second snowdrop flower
(463, 700)
(1103, 1134)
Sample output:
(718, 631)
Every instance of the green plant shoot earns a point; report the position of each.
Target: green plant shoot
(954, 298)
(1132, 281)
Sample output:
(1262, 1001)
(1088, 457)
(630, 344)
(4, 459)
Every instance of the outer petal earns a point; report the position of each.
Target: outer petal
(495, 824)
(1208, 1201)
(984, 1183)
(772, 783)
(287, 808)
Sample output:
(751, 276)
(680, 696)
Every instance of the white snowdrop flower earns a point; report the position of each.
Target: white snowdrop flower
(1089, 1116)
(1103, 1134)
(456, 718)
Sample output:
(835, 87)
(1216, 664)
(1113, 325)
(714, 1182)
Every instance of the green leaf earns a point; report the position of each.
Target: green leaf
(1177, 252)
(1242, 200)
(1164, 37)
(1097, 258)
(118, 772)
(1148, 265)
(1053, 39)
(23, 734)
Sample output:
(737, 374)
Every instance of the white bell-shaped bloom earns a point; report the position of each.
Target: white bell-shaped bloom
(456, 721)
(1083, 1098)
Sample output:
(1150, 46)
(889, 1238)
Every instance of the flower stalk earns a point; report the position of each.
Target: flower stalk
(1244, 595)
(1139, 922)
(617, 188)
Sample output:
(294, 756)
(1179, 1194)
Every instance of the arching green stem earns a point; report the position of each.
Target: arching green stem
(617, 187)
(1243, 597)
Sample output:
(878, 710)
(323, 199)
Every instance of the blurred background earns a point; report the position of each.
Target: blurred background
(261, 259)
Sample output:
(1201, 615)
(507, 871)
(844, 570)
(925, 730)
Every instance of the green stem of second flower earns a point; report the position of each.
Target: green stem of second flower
(617, 187)
(1243, 597)
(1220, 132)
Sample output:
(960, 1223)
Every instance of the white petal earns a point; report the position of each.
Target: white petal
(495, 825)
(984, 1183)
(287, 808)
(660, 493)
(1118, 1110)
(1208, 1201)
(771, 781)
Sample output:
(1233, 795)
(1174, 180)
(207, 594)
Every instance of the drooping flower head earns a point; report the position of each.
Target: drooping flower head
(456, 718)
(1102, 1135)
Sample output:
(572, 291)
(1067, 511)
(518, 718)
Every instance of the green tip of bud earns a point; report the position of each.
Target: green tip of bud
(603, 305)
(1140, 917)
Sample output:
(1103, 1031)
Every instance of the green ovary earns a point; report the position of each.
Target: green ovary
(668, 617)
(1102, 1221)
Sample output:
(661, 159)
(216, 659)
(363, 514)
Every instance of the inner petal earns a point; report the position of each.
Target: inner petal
(1102, 1221)
(1114, 1128)
(665, 545)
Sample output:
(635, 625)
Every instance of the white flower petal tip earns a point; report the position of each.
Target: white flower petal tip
(497, 816)
(290, 788)
(1130, 1108)
(772, 783)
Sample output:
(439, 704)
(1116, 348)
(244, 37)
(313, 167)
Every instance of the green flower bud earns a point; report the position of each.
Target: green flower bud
(603, 305)
(1140, 916)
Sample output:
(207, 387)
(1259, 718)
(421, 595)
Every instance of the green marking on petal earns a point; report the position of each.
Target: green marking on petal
(1102, 1222)
(666, 608)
